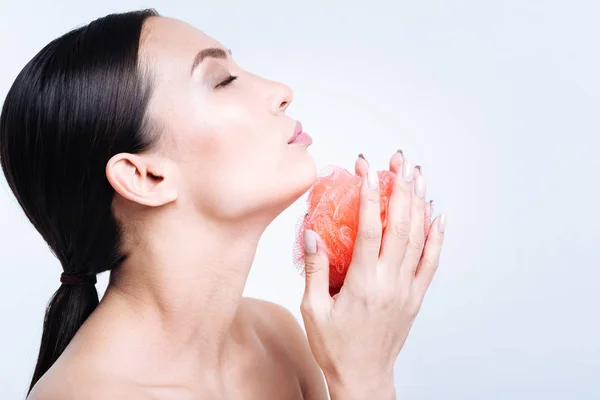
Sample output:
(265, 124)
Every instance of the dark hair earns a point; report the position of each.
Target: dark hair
(79, 101)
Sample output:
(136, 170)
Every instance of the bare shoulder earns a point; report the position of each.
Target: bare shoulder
(83, 390)
(68, 381)
(269, 315)
(287, 341)
(279, 326)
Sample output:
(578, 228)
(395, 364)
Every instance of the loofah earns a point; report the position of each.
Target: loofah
(332, 211)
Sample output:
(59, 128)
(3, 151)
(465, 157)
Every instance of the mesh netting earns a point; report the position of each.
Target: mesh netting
(332, 212)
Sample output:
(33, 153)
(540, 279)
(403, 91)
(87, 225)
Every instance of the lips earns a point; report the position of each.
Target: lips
(297, 131)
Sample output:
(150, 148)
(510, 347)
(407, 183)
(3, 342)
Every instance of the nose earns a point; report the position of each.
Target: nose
(282, 98)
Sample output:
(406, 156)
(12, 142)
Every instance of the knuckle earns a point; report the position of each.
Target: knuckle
(430, 265)
(371, 234)
(386, 298)
(417, 242)
(401, 229)
(310, 266)
(372, 197)
(365, 294)
(403, 187)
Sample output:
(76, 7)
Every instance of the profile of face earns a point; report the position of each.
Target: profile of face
(223, 148)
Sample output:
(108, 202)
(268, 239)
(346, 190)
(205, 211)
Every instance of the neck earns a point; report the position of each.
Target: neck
(183, 288)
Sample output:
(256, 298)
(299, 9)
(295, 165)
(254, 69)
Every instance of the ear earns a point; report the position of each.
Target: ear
(141, 179)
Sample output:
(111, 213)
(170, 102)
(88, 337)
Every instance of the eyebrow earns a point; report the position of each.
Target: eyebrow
(213, 52)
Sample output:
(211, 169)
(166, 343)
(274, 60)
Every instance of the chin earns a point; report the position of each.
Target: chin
(293, 182)
(302, 176)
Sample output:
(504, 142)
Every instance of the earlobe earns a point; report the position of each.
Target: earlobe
(141, 179)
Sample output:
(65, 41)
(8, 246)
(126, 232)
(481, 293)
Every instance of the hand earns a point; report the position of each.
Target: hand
(356, 335)
(361, 167)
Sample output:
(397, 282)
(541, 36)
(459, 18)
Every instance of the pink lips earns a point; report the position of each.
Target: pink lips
(299, 136)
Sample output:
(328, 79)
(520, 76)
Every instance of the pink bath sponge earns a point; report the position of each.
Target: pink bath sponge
(332, 212)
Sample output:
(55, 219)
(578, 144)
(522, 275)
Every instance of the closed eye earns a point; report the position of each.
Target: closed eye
(227, 81)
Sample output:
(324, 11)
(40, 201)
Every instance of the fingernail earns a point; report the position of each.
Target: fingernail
(401, 154)
(442, 223)
(310, 241)
(419, 168)
(420, 187)
(430, 207)
(363, 157)
(373, 178)
(407, 171)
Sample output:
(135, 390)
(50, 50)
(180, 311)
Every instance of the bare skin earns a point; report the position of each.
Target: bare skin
(267, 357)
(173, 323)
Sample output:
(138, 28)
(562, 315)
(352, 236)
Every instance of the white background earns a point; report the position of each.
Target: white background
(497, 100)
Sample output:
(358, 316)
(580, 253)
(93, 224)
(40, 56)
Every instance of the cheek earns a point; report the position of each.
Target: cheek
(244, 140)
(220, 136)
(232, 153)
(231, 167)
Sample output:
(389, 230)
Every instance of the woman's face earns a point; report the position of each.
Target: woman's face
(226, 145)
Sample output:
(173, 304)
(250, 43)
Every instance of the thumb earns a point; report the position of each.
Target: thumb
(316, 268)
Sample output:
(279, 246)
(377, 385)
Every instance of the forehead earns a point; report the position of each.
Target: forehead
(172, 44)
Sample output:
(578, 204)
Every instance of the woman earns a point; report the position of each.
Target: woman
(137, 145)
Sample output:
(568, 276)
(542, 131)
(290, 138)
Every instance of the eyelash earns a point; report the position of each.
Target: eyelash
(227, 81)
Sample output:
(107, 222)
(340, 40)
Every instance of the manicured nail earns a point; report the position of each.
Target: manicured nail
(373, 178)
(407, 171)
(401, 154)
(430, 207)
(310, 241)
(420, 187)
(442, 223)
(363, 157)
(419, 168)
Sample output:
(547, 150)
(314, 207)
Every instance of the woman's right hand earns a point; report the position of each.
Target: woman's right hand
(356, 335)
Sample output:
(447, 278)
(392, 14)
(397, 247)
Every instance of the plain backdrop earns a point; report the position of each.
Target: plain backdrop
(497, 100)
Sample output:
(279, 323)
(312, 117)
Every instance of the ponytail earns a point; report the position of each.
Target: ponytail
(67, 310)
(82, 99)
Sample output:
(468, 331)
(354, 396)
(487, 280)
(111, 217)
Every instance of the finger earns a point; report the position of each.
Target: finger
(428, 205)
(397, 231)
(396, 161)
(361, 166)
(416, 237)
(418, 171)
(428, 214)
(316, 269)
(365, 254)
(431, 257)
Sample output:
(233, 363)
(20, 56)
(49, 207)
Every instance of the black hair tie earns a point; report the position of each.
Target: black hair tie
(77, 280)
